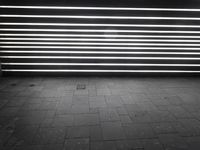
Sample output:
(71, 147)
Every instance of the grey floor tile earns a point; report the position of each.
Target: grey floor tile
(111, 113)
(173, 142)
(80, 109)
(163, 128)
(76, 144)
(86, 119)
(96, 133)
(63, 120)
(78, 132)
(108, 114)
(112, 131)
(139, 131)
(152, 144)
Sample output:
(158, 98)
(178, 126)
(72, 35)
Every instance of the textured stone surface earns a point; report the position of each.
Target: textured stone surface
(110, 113)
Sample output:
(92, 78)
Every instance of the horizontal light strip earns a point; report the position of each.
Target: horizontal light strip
(102, 64)
(99, 30)
(88, 43)
(100, 25)
(89, 39)
(100, 8)
(97, 47)
(93, 57)
(100, 17)
(102, 52)
(104, 36)
(116, 71)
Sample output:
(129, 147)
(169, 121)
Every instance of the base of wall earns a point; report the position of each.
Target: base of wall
(86, 74)
(0, 70)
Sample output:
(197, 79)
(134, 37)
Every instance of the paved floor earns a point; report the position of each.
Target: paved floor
(100, 113)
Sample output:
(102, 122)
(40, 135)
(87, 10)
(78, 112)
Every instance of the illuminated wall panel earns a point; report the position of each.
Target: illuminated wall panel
(50, 39)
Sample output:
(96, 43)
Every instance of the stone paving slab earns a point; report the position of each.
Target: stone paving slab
(108, 114)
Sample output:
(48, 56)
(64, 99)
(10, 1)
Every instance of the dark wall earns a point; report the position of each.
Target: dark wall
(125, 3)
(107, 3)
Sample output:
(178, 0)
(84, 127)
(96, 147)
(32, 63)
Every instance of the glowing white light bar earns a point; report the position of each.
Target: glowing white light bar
(101, 25)
(99, 30)
(93, 39)
(102, 52)
(97, 47)
(100, 8)
(116, 71)
(88, 43)
(104, 36)
(102, 64)
(94, 57)
(100, 17)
